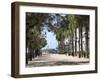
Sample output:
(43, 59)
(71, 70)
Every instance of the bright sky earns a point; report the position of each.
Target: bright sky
(52, 43)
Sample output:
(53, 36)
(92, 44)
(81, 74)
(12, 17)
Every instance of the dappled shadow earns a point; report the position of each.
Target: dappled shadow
(55, 63)
(70, 63)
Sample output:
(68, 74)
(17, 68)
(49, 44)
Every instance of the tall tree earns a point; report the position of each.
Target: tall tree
(83, 21)
(34, 26)
(72, 19)
(76, 42)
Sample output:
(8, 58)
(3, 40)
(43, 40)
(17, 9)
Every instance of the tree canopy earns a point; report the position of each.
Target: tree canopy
(63, 26)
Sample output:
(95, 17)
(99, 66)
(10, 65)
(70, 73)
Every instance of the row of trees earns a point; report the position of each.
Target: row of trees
(79, 28)
(34, 39)
(64, 26)
(73, 27)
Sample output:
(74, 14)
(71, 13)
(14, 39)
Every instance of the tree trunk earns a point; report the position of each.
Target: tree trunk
(67, 51)
(87, 43)
(62, 45)
(79, 43)
(76, 42)
(72, 44)
(70, 47)
(30, 52)
(81, 31)
(26, 56)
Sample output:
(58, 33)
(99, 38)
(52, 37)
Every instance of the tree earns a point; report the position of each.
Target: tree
(75, 42)
(83, 21)
(64, 26)
(73, 22)
(57, 23)
(34, 26)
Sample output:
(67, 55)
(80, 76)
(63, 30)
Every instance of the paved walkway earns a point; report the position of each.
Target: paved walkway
(56, 59)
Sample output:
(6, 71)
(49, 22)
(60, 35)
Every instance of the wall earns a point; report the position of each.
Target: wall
(5, 40)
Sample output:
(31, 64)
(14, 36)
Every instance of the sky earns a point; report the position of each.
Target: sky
(52, 43)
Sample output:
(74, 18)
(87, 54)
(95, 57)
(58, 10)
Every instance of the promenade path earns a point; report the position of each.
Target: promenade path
(56, 59)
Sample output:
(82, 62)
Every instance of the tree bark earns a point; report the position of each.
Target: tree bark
(79, 43)
(81, 31)
(70, 47)
(72, 44)
(87, 43)
(76, 42)
(26, 57)
(62, 45)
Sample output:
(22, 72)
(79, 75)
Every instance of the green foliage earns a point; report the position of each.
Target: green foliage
(62, 25)
(33, 30)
